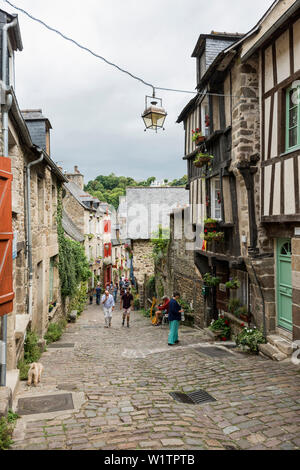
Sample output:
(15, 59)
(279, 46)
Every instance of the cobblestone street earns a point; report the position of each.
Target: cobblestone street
(123, 378)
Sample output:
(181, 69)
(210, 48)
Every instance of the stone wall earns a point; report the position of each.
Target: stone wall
(246, 148)
(143, 265)
(43, 196)
(179, 273)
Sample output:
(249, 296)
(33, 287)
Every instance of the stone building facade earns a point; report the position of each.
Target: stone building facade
(239, 189)
(35, 288)
(32, 298)
(93, 220)
(177, 271)
(145, 209)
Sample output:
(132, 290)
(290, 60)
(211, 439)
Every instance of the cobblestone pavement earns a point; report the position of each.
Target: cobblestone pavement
(126, 375)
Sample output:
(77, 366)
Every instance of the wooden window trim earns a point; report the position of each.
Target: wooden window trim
(287, 110)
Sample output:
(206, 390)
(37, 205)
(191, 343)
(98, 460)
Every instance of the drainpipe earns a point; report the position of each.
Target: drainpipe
(5, 110)
(29, 234)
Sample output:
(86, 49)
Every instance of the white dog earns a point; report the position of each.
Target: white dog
(35, 373)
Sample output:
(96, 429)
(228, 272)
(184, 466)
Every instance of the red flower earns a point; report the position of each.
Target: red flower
(226, 322)
(205, 231)
(242, 324)
(224, 339)
(215, 231)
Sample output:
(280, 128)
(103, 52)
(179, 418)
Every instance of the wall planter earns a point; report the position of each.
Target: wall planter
(214, 236)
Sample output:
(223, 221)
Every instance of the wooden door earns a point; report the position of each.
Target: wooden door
(284, 283)
(6, 238)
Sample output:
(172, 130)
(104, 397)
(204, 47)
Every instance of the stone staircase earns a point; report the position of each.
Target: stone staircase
(277, 348)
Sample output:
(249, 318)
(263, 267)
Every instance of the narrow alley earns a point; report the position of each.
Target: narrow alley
(112, 388)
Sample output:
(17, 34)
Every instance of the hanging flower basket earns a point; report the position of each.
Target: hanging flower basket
(233, 284)
(202, 159)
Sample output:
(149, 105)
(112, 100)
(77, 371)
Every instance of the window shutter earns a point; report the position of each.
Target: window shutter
(6, 238)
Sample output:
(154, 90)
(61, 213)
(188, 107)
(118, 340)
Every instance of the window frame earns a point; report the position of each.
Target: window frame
(289, 148)
(212, 199)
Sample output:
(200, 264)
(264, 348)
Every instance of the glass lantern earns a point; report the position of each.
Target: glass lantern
(154, 115)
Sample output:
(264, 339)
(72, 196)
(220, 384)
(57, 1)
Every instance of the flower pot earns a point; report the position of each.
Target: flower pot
(217, 333)
(199, 164)
(200, 139)
(244, 318)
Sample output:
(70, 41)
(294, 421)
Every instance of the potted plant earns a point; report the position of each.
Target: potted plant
(198, 137)
(221, 328)
(213, 236)
(242, 313)
(211, 281)
(210, 223)
(234, 305)
(250, 338)
(202, 159)
(233, 284)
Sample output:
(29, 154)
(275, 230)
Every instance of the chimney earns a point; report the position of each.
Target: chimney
(76, 178)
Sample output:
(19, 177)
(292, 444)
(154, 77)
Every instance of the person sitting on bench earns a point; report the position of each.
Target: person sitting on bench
(162, 310)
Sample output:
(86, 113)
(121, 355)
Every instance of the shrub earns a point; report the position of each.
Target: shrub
(55, 330)
(32, 352)
(250, 338)
(146, 313)
(136, 303)
(23, 368)
(6, 430)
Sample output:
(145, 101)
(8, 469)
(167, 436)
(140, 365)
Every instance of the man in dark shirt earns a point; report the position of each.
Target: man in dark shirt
(98, 293)
(175, 311)
(126, 302)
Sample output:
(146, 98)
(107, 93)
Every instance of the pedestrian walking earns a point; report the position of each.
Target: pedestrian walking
(98, 293)
(175, 311)
(91, 295)
(108, 303)
(115, 292)
(126, 303)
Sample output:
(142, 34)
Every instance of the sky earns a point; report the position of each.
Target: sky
(94, 109)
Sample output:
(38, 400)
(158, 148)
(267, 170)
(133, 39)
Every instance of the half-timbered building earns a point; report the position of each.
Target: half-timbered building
(276, 42)
(247, 109)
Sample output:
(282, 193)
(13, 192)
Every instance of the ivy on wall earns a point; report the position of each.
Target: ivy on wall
(73, 264)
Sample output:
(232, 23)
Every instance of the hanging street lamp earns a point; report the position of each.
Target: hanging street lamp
(154, 116)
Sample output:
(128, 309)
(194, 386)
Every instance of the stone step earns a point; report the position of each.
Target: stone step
(282, 344)
(272, 352)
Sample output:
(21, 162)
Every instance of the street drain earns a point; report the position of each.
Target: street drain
(193, 398)
(60, 345)
(215, 352)
(45, 404)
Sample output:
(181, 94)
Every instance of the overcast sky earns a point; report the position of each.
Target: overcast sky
(94, 109)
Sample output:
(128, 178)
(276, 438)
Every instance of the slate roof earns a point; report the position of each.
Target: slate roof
(71, 229)
(82, 197)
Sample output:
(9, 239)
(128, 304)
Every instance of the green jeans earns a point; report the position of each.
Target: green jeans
(173, 335)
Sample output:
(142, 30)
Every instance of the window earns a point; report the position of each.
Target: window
(216, 211)
(293, 118)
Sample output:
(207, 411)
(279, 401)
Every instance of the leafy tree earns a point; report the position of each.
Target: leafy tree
(109, 188)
